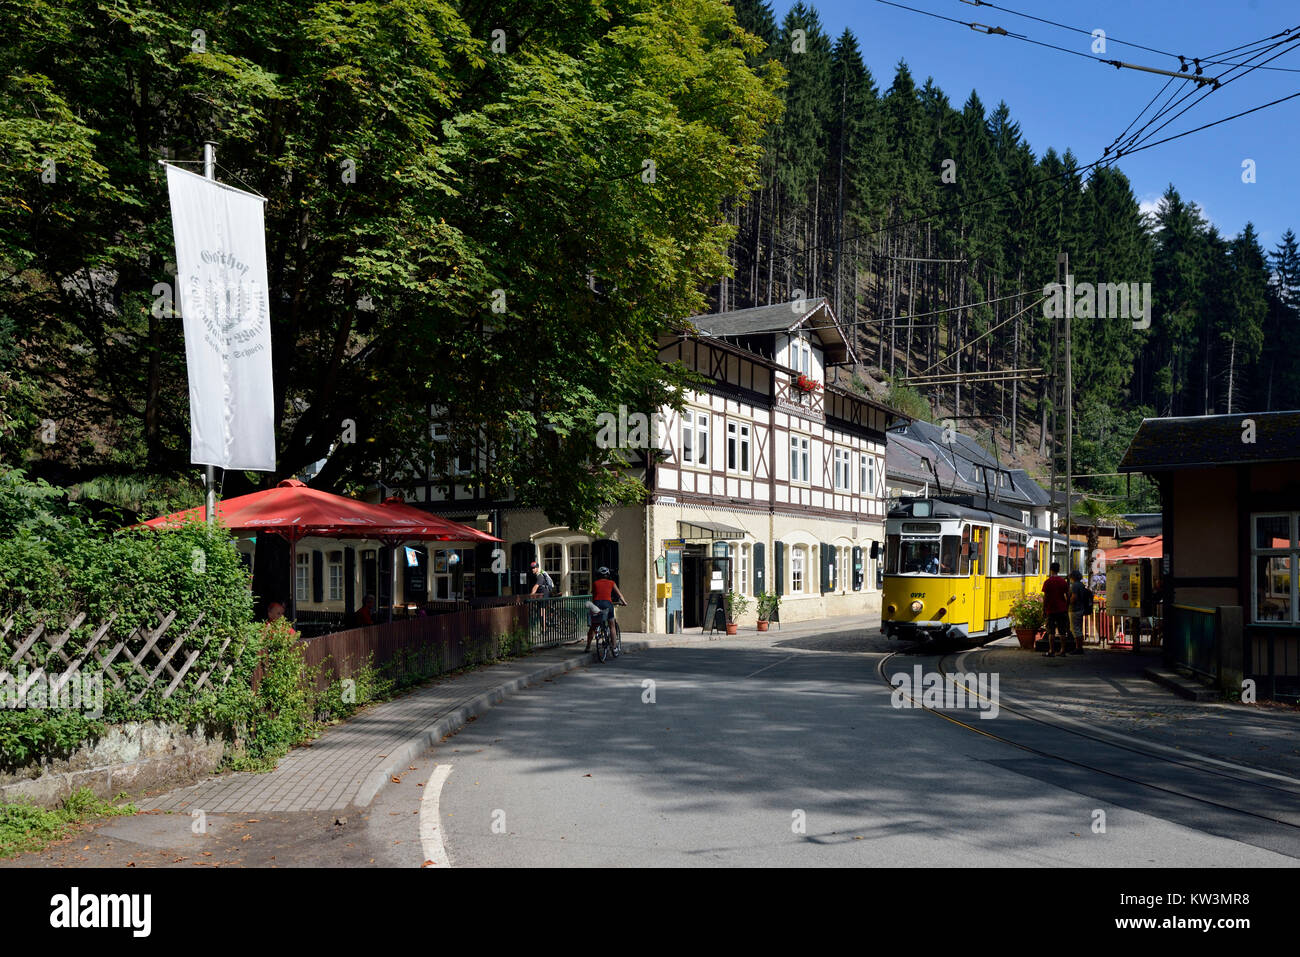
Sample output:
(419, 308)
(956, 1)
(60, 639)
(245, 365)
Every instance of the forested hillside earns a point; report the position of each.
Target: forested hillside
(933, 228)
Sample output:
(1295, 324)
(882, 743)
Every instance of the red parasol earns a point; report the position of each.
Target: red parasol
(296, 511)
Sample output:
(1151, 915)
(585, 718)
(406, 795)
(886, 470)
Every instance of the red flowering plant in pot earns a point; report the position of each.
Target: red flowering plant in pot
(804, 384)
(1027, 619)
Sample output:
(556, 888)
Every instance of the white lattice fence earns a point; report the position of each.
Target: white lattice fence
(154, 659)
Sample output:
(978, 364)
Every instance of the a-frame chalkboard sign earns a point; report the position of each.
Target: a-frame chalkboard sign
(714, 612)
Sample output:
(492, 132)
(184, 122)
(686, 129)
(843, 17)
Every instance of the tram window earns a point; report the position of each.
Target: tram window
(963, 568)
(981, 535)
(928, 555)
(919, 556)
(949, 555)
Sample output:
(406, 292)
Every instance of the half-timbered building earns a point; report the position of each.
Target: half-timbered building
(769, 478)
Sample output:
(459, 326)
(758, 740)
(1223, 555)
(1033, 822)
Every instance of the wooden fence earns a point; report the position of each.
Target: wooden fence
(418, 646)
(141, 661)
(451, 638)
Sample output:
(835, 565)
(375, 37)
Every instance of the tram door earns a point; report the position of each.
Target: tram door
(978, 569)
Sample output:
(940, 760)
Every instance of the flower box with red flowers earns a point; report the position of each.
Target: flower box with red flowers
(805, 384)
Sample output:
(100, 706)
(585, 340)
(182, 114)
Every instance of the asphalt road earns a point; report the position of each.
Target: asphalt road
(772, 751)
(781, 755)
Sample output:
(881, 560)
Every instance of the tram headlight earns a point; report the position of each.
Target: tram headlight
(916, 607)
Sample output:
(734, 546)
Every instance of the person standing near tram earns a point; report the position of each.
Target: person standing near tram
(1056, 606)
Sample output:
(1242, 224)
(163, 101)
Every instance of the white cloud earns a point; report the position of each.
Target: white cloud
(1151, 204)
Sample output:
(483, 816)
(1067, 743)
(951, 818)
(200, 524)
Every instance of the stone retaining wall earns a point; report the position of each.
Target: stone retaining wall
(130, 758)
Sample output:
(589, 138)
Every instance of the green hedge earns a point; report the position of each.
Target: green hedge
(56, 561)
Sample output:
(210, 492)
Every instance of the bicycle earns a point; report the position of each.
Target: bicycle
(603, 641)
(609, 641)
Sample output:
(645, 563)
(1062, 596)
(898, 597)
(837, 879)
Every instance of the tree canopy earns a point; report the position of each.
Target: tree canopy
(485, 211)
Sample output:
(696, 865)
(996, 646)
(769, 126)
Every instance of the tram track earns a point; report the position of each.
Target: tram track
(1196, 767)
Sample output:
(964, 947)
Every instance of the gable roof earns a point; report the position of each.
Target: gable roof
(781, 318)
(912, 460)
(912, 446)
(1207, 441)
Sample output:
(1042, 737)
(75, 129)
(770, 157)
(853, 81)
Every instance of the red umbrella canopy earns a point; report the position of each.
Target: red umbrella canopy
(295, 511)
(1141, 547)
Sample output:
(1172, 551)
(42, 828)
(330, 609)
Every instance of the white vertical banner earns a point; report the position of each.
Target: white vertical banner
(222, 291)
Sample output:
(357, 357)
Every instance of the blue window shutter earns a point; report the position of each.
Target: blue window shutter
(857, 568)
(760, 569)
(778, 569)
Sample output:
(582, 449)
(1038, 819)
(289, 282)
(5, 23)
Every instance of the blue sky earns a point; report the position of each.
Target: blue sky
(1063, 101)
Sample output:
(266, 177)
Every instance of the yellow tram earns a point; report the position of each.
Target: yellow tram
(954, 564)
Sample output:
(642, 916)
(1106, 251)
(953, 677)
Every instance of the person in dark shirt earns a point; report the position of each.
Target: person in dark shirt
(1056, 604)
(366, 613)
(1080, 605)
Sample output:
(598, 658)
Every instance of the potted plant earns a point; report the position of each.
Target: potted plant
(805, 383)
(767, 605)
(1027, 618)
(736, 604)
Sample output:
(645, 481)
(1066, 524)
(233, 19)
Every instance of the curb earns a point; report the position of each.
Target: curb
(453, 721)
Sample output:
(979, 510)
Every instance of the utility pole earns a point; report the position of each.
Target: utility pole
(210, 478)
(1063, 270)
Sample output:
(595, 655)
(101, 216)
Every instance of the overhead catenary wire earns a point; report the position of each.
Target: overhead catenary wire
(1174, 100)
(1139, 46)
(1000, 31)
(1135, 140)
(986, 332)
(936, 312)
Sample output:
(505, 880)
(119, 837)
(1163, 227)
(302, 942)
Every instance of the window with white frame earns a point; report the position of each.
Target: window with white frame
(842, 475)
(742, 570)
(844, 554)
(695, 438)
(798, 560)
(738, 436)
(553, 561)
(302, 577)
(867, 476)
(1274, 558)
(336, 576)
(580, 568)
(798, 458)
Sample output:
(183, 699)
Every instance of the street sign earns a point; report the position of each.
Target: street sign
(674, 543)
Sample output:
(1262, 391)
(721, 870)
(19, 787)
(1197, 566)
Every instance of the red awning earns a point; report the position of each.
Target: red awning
(1144, 546)
(295, 511)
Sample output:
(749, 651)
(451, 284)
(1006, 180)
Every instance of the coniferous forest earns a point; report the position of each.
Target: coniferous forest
(932, 225)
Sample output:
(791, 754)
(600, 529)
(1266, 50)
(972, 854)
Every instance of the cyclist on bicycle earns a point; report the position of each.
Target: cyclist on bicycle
(603, 594)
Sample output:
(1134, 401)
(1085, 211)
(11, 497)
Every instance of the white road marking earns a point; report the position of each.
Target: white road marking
(430, 818)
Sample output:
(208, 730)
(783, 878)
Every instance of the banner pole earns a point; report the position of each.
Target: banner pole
(210, 479)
